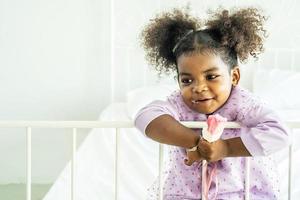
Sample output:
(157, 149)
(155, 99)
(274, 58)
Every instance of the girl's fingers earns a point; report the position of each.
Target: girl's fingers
(204, 149)
(188, 162)
(203, 142)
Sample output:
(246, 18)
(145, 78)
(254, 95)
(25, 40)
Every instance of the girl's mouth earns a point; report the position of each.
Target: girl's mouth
(200, 101)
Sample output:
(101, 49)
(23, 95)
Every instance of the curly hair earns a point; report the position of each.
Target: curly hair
(232, 35)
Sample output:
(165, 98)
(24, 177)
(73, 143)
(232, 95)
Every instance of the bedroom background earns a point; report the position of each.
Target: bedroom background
(69, 60)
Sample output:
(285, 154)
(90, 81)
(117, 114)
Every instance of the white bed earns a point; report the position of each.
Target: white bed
(139, 155)
(95, 163)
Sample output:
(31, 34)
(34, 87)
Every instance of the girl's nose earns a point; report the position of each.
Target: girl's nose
(198, 88)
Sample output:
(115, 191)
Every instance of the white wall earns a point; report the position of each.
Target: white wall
(54, 66)
(55, 61)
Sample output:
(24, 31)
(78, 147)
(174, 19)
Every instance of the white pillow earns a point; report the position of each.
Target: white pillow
(138, 98)
(277, 87)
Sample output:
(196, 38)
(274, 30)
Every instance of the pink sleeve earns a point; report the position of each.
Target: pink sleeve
(262, 132)
(152, 111)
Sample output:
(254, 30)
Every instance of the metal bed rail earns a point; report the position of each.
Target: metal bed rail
(117, 125)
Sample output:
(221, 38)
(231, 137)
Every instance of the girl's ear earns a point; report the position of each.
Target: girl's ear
(235, 75)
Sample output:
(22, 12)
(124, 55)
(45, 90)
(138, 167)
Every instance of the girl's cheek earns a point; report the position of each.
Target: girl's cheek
(185, 92)
(225, 87)
(184, 89)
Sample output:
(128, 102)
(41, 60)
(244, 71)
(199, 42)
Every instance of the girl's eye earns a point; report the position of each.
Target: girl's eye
(211, 77)
(186, 81)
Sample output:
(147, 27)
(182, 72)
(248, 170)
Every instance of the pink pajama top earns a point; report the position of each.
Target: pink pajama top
(262, 133)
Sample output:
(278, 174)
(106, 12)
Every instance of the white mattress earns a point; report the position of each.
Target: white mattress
(138, 163)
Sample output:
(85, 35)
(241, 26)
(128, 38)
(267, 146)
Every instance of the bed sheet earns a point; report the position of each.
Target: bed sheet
(282, 156)
(138, 163)
(95, 163)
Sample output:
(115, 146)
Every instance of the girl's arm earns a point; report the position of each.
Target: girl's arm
(236, 148)
(219, 149)
(165, 129)
(262, 133)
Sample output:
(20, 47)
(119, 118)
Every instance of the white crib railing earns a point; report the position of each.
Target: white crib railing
(117, 125)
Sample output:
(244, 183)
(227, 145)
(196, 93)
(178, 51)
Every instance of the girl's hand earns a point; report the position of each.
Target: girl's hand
(213, 151)
(192, 156)
(210, 151)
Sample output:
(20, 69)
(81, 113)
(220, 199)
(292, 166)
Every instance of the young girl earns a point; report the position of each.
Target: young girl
(206, 61)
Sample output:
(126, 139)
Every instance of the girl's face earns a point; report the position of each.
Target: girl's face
(205, 81)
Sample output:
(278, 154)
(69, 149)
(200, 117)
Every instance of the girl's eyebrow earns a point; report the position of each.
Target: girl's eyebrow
(211, 69)
(206, 71)
(184, 74)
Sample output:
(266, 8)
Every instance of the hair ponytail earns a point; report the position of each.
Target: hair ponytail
(162, 34)
(242, 30)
